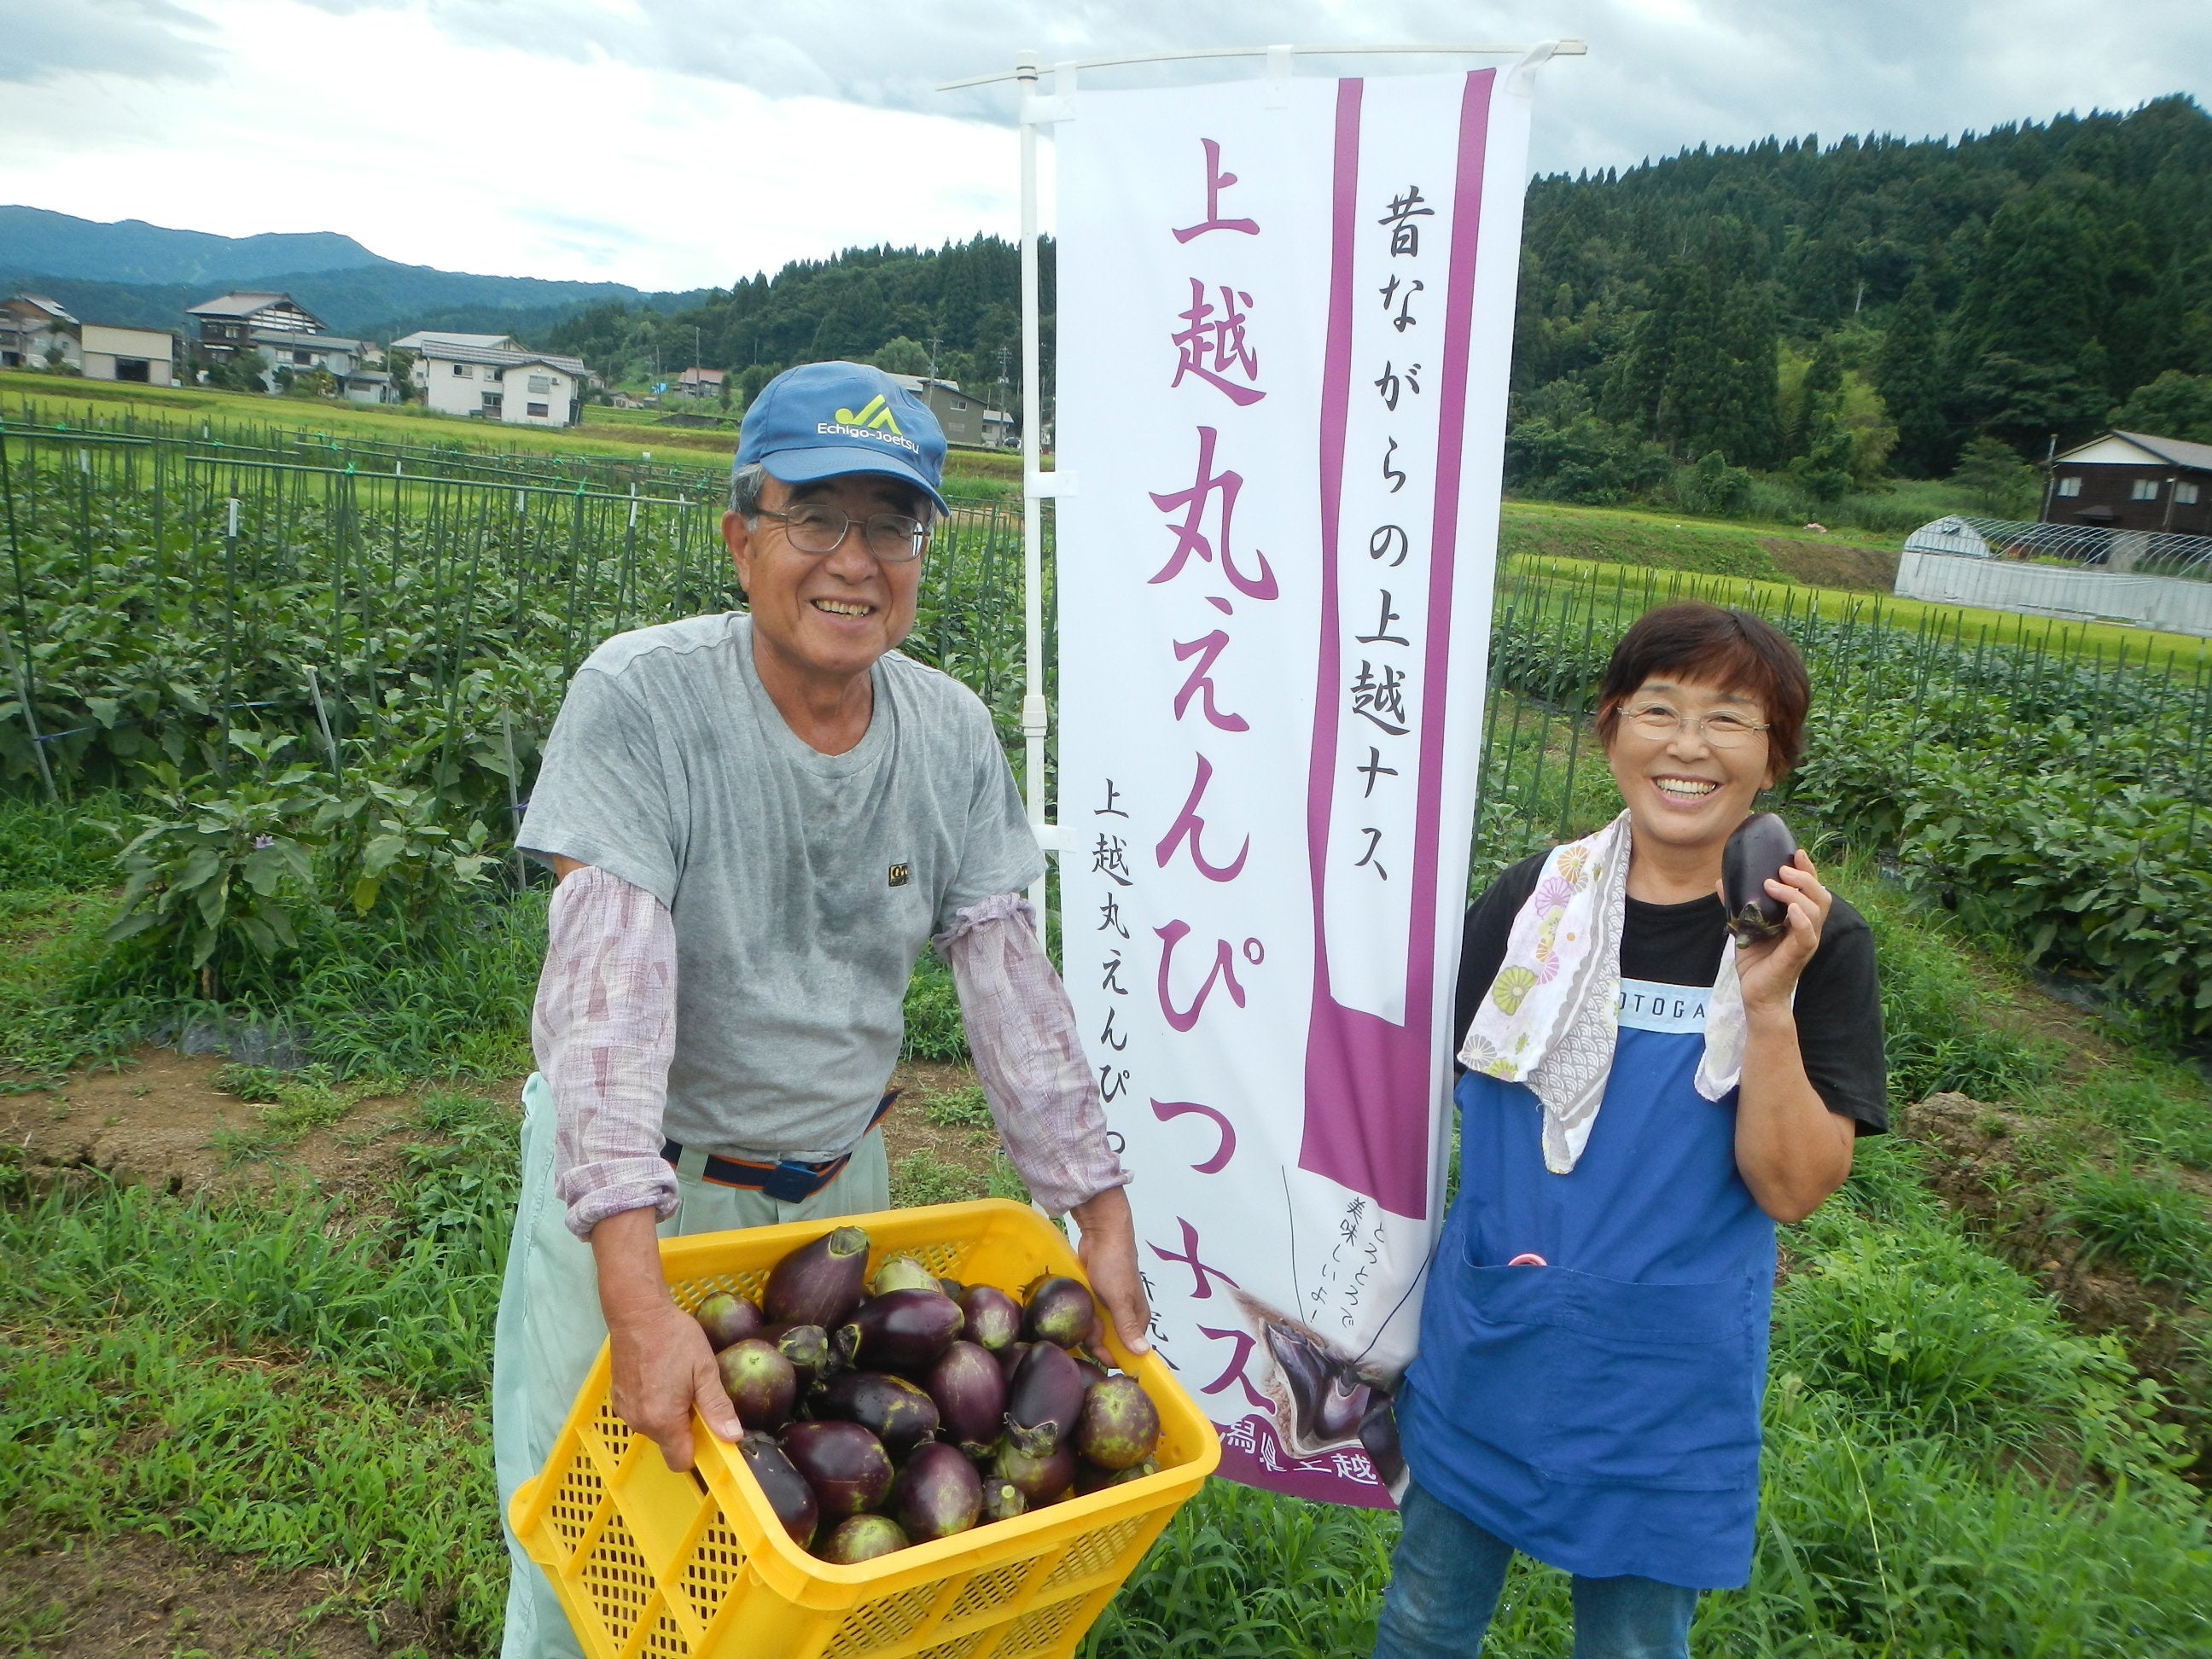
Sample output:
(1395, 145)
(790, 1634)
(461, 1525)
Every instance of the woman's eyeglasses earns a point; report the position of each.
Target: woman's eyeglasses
(1723, 729)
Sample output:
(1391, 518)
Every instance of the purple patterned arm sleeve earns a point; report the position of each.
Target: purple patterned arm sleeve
(604, 1029)
(1029, 1058)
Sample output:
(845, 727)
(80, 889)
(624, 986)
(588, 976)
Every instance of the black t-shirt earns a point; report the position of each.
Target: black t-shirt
(1839, 1007)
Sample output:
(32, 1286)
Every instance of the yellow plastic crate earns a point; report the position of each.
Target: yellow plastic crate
(647, 1562)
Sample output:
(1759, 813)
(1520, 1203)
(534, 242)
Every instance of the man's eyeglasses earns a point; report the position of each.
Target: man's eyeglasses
(1723, 729)
(891, 537)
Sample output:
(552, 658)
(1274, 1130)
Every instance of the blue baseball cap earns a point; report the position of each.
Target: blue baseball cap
(825, 420)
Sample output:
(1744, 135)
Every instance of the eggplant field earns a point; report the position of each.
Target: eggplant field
(271, 707)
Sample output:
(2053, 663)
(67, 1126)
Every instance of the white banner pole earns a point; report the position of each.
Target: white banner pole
(1033, 701)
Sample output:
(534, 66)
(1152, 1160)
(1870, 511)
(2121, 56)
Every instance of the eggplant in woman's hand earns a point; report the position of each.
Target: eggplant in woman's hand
(1759, 851)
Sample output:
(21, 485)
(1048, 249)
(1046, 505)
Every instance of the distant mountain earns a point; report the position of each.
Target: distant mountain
(132, 251)
(132, 274)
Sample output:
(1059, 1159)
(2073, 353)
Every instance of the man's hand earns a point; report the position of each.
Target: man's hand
(664, 1365)
(1108, 1250)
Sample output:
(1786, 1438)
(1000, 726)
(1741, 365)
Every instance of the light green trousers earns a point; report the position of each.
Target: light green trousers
(549, 1330)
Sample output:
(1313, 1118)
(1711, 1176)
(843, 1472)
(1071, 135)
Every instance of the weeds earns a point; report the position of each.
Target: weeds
(959, 1108)
(934, 1030)
(2151, 1225)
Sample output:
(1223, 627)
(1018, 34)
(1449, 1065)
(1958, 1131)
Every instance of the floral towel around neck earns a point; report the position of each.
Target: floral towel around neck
(1549, 1019)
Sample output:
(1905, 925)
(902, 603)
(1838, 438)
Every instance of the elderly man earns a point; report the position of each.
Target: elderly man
(756, 821)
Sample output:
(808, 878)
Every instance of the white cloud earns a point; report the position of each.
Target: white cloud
(672, 143)
(149, 38)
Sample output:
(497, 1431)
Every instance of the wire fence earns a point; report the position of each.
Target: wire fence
(422, 616)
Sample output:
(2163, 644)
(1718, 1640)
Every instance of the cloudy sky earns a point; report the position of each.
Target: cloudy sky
(673, 144)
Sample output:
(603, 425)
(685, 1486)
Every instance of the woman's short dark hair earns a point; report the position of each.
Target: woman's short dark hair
(1708, 645)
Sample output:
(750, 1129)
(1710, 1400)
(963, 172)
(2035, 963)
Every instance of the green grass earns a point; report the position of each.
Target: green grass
(2173, 653)
(933, 1028)
(2148, 1223)
(606, 431)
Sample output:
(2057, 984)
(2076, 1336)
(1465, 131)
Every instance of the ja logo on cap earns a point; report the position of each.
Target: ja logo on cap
(876, 413)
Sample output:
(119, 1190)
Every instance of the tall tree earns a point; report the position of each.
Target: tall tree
(1909, 374)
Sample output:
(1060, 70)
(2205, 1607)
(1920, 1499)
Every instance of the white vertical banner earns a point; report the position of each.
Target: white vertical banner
(1284, 314)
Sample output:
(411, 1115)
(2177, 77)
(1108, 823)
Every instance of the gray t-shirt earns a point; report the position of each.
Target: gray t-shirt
(803, 885)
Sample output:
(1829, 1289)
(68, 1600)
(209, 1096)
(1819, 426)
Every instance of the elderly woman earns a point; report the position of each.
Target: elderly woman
(1643, 1100)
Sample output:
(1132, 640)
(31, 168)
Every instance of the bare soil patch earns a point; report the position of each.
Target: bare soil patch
(157, 1119)
(1823, 564)
(141, 1597)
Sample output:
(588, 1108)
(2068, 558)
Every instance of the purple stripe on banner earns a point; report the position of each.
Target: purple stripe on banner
(1370, 1084)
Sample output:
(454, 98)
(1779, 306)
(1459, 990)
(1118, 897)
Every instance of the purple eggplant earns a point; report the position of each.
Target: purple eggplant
(890, 1408)
(806, 1346)
(1092, 1477)
(1119, 1425)
(1043, 1399)
(953, 1288)
(991, 1318)
(727, 1319)
(905, 1330)
(902, 1272)
(862, 1538)
(847, 1466)
(1057, 1311)
(818, 1284)
(1002, 1500)
(1010, 1358)
(970, 1392)
(1756, 853)
(1040, 1479)
(760, 1382)
(787, 1492)
(1090, 1370)
(938, 1492)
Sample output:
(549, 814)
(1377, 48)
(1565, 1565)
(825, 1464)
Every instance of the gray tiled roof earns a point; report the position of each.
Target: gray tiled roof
(2178, 451)
(443, 352)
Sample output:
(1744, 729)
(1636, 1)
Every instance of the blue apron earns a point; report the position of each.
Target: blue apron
(1600, 1412)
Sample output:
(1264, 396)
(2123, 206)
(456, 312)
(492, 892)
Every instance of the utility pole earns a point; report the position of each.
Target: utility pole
(932, 356)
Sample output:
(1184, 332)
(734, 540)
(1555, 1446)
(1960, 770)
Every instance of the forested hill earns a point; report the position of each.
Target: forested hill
(2015, 284)
(1824, 314)
(893, 306)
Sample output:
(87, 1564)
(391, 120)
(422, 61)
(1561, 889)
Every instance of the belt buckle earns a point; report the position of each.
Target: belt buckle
(791, 1184)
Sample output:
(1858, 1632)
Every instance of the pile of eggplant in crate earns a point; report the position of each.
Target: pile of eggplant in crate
(888, 1412)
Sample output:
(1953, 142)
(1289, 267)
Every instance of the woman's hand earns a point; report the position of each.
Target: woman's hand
(1768, 971)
